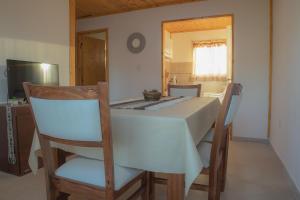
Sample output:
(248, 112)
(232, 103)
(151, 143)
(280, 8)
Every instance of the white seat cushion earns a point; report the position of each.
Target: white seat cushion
(204, 150)
(92, 172)
(209, 137)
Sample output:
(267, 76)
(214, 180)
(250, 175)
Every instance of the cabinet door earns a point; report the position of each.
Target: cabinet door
(3, 140)
(24, 126)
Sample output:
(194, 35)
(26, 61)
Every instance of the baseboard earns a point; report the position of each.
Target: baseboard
(246, 139)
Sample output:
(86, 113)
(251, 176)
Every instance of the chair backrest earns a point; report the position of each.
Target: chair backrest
(76, 120)
(228, 108)
(233, 108)
(184, 90)
(74, 115)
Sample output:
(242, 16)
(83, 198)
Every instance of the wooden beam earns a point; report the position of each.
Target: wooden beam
(72, 50)
(92, 8)
(198, 24)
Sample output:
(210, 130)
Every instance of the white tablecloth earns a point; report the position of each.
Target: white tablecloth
(161, 140)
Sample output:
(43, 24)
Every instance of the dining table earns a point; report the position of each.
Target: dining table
(158, 137)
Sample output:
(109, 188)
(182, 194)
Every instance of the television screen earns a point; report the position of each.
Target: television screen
(34, 72)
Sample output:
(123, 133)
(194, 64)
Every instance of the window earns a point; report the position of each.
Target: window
(210, 60)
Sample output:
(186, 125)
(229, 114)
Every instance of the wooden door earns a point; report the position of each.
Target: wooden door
(91, 61)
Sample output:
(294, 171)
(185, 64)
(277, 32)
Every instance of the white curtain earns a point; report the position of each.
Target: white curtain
(210, 61)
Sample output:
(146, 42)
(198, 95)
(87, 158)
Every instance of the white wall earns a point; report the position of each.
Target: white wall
(34, 30)
(285, 123)
(130, 74)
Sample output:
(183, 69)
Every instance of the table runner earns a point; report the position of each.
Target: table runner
(161, 140)
(141, 104)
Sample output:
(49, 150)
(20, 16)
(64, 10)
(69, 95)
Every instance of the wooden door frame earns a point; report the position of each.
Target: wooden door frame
(72, 41)
(81, 33)
(196, 18)
(270, 65)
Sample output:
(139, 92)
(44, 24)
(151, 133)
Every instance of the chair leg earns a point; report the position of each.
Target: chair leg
(60, 159)
(224, 164)
(62, 196)
(218, 191)
(146, 184)
(51, 195)
(150, 185)
(51, 192)
(214, 189)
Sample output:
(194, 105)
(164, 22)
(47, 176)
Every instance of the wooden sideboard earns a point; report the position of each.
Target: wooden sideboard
(23, 129)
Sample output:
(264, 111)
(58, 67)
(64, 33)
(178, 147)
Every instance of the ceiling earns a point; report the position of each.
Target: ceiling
(202, 24)
(93, 8)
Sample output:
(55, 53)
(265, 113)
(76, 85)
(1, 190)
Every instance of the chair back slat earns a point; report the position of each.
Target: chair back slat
(63, 92)
(184, 90)
(77, 120)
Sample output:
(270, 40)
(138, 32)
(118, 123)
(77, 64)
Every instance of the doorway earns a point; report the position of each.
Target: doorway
(198, 51)
(92, 57)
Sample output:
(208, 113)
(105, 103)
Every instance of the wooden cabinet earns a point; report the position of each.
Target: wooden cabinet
(23, 129)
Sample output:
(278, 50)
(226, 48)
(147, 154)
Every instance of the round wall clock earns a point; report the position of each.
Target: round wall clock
(136, 42)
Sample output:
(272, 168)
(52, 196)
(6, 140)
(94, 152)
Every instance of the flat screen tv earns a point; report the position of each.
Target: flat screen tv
(24, 71)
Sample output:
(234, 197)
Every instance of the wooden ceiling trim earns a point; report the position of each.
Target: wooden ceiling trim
(201, 24)
(96, 8)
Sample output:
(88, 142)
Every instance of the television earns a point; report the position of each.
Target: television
(24, 71)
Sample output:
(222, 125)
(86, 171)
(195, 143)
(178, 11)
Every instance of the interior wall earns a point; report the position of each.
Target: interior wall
(131, 73)
(34, 30)
(285, 124)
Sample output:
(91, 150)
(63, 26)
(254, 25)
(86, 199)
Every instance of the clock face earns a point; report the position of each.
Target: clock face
(136, 42)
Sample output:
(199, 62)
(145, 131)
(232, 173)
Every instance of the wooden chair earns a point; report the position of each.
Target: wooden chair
(184, 90)
(213, 149)
(80, 116)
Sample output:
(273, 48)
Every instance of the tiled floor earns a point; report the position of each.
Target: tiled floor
(254, 173)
